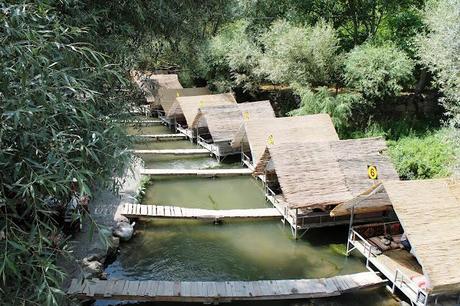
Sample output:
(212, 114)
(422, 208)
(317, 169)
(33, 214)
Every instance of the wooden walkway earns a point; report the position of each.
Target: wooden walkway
(162, 137)
(196, 172)
(155, 211)
(140, 122)
(173, 152)
(225, 291)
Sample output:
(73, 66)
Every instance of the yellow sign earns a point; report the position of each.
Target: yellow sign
(372, 172)
(201, 103)
(246, 116)
(271, 140)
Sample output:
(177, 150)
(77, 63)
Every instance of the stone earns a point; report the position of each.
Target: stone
(124, 230)
(91, 267)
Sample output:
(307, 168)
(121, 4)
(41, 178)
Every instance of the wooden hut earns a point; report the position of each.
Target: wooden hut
(305, 181)
(427, 267)
(216, 126)
(150, 82)
(185, 109)
(254, 135)
(167, 97)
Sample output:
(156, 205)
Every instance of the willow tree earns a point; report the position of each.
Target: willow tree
(55, 95)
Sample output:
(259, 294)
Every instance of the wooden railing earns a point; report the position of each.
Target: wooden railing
(208, 146)
(403, 280)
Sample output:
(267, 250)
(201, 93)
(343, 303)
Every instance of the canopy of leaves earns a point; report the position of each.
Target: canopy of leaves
(301, 54)
(377, 71)
(55, 96)
(232, 57)
(439, 50)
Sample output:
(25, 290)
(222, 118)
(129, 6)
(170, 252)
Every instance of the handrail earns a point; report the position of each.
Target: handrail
(406, 280)
(207, 146)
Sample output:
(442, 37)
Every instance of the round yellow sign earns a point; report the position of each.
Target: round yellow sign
(372, 172)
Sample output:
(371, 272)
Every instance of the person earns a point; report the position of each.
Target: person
(405, 244)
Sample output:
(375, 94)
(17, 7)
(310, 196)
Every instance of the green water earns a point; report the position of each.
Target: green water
(246, 250)
(154, 129)
(210, 193)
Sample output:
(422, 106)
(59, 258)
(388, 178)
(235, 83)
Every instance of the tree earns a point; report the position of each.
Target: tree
(55, 97)
(301, 54)
(232, 58)
(377, 72)
(439, 51)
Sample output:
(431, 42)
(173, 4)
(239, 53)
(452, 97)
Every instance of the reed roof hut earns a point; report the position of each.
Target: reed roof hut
(223, 122)
(188, 106)
(259, 133)
(324, 174)
(167, 96)
(428, 211)
(150, 82)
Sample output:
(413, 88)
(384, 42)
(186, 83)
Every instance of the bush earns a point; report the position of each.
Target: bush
(338, 106)
(377, 72)
(424, 157)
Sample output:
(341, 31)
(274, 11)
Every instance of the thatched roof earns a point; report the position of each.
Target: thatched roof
(150, 82)
(188, 106)
(317, 174)
(375, 199)
(428, 211)
(224, 121)
(285, 130)
(167, 96)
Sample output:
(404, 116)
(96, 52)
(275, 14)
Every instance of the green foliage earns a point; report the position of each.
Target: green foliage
(422, 157)
(377, 72)
(299, 54)
(232, 57)
(439, 48)
(55, 95)
(338, 106)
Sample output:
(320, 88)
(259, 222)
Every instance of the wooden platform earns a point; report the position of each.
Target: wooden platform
(140, 122)
(196, 172)
(173, 152)
(155, 211)
(215, 292)
(162, 137)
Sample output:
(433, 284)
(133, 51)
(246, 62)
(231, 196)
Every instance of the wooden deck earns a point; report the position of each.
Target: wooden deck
(162, 137)
(225, 291)
(173, 152)
(140, 122)
(196, 172)
(155, 211)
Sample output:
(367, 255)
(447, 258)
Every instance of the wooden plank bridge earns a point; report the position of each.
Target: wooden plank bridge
(196, 172)
(156, 211)
(140, 122)
(173, 152)
(162, 137)
(224, 291)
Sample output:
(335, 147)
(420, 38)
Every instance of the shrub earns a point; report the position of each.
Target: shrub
(338, 106)
(424, 157)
